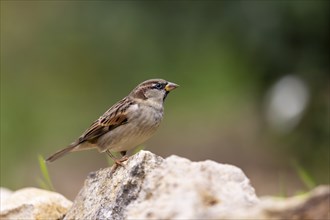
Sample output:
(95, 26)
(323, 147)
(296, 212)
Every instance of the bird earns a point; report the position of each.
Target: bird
(127, 124)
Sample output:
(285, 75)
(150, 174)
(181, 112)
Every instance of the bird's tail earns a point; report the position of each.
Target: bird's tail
(61, 153)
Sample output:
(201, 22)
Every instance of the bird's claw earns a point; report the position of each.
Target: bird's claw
(120, 161)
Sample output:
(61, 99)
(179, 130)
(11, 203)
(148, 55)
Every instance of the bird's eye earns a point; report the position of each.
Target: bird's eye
(159, 86)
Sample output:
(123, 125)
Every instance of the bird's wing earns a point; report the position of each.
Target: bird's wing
(111, 119)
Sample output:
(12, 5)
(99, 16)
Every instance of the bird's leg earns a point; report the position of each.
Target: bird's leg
(116, 160)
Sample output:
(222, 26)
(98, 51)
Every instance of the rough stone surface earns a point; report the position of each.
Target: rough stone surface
(106, 194)
(314, 205)
(150, 187)
(32, 203)
(4, 194)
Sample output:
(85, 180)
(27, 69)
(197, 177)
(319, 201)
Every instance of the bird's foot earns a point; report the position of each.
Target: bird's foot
(120, 161)
(117, 162)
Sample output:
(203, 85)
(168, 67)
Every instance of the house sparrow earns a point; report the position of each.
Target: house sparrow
(127, 124)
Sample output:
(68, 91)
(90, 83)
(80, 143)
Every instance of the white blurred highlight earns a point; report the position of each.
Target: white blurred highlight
(286, 102)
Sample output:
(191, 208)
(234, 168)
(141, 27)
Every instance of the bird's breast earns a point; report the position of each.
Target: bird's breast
(148, 115)
(142, 123)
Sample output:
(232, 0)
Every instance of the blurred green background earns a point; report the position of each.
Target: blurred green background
(253, 75)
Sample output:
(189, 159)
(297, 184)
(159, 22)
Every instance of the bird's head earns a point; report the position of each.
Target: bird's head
(154, 90)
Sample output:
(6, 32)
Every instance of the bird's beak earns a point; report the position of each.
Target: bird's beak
(170, 86)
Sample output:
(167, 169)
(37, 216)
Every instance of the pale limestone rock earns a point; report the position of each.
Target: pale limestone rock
(4, 194)
(314, 205)
(182, 189)
(150, 187)
(106, 195)
(33, 203)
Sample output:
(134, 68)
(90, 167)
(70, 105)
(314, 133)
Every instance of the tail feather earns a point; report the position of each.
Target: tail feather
(61, 153)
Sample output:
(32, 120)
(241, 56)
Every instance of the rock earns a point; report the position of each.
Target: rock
(150, 187)
(33, 203)
(312, 205)
(183, 189)
(4, 194)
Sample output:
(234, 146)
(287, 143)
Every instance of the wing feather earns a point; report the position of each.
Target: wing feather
(111, 119)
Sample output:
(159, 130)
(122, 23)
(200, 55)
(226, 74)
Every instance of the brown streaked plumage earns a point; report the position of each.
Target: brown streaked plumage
(128, 123)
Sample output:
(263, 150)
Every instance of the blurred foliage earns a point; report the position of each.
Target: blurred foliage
(45, 182)
(305, 177)
(63, 63)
